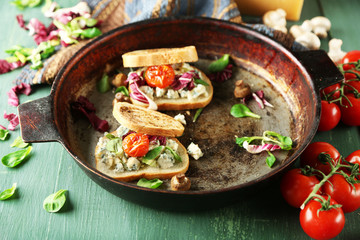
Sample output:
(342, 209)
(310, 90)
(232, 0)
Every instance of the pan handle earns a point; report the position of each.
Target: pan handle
(37, 121)
(320, 67)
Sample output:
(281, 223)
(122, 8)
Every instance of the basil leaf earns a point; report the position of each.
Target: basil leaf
(270, 160)
(199, 81)
(150, 162)
(114, 145)
(176, 156)
(8, 193)
(241, 140)
(285, 143)
(55, 201)
(19, 143)
(15, 158)
(123, 90)
(3, 134)
(153, 183)
(90, 32)
(103, 85)
(110, 136)
(220, 64)
(197, 114)
(240, 110)
(154, 153)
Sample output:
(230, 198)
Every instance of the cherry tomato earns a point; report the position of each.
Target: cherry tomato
(352, 56)
(159, 76)
(354, 158)
(296, 187)
(311, 153)
(322, 225)
(136, 144)
(353, 85)
(350, 115)
(343, 193)
(330, 116)
(331, 89)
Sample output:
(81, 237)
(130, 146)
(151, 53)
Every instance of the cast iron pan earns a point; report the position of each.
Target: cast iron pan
(291, 82)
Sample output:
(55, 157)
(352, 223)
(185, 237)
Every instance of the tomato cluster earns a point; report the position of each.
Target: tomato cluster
(325, 188)
(341, 101)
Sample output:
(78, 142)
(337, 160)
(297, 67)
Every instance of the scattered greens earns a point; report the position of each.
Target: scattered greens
(3, 134)
(153, 183)
(123, 90)
(197, 114)
(175, 155)
(22, 4)
(220, 64)
(8, 193)
(114, 145)
(19, 143)
(240, 110)
(55, 201)
(199, 81)
(104, 85)
(270, 160)
(15, 158)
(90, 33)
(153, 154)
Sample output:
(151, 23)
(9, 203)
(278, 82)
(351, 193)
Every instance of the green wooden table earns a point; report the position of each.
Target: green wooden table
(93, 213)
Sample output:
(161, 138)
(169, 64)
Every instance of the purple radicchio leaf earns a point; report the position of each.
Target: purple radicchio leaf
(13, 120)
(223, 75)
(154, 139)
(185, 80)
(254, 149)
(259, 97)
(135, 81)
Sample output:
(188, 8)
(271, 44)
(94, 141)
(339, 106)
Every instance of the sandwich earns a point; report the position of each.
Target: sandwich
(143, 146)
(164, 79)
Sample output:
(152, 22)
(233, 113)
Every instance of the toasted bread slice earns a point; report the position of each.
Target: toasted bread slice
(159, 56)
(147, 172)
(142, 120)
(183, 103)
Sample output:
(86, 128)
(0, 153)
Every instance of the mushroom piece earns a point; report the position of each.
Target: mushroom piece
(321, 25)
(180, 183)
(120, 97)
(119, 80)
(305, 37)
(335, 52)
(276, 19)
(242, 89)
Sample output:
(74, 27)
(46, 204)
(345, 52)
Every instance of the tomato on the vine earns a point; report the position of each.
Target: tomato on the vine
(160, 76)
(343, 192)
(352, 56)
(136, 144)
(330, 116)
(354, 158)
(350, 113)
(296, 187)
(334, 89)
(322, 224)
(352, 86)
(311, 153)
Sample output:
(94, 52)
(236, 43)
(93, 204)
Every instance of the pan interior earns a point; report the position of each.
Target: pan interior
(224, 163)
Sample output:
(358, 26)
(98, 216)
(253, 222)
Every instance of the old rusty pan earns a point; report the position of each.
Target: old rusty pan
(291, 82)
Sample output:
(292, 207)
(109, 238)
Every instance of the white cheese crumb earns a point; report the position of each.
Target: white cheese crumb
(159, 92)
(149, 91)
(181, 118)
(194, 150)
(166, 160)
(133, 164)
(172, 144)
(172, 94)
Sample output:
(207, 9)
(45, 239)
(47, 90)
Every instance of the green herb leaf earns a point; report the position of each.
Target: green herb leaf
(21, 4)
(197, 114)
(15, 158)
(19, 143)
(103, 85)
(151, 162)
(199, 81)
(154, 153)
(110, 136)
(220, 64)
(241, 140)
(153, 183)
(114, 145)
(55, 201)
(270, 160)
(123, 90)
(8, 193)
(176, 156)
(240, 110)
(285, 143)
(3, 134)
(90, 32)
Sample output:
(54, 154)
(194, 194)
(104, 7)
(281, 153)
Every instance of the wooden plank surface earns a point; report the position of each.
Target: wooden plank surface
(93, 213)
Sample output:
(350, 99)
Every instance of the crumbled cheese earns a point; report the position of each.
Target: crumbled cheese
(159, 92)
(181, 118)
(172, 144)
(133, 164)
(119, 167)
(121, 131)
(166, 160)
(172, 94)
(183, 93)
(198, 91)
(149, 91)
(194, 150)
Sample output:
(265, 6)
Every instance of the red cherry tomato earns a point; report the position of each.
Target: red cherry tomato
(352, 56)
(331, 89)
(350, 115)
(321, 225)
(343, 193)
(353, 85)
(159, 76)
(296, 187)
(136, 144)
(330, 116)
(354, 158)
(311, 153)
